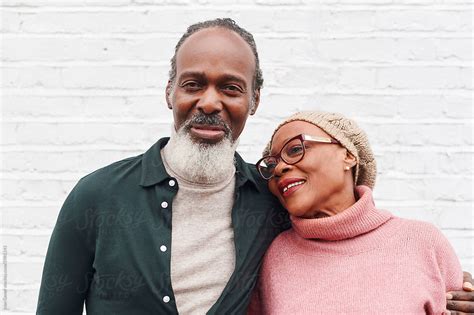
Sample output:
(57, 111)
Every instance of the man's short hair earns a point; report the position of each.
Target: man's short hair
(231, 25)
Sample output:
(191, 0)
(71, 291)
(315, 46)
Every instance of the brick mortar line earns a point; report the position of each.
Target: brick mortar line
(146, 64)
(135, 7)
(290, 91)
(20, 287)
(31, 232)
(394, 7)
(315, 7)
(266, 35)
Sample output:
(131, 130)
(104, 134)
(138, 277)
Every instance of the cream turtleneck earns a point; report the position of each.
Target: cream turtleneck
(202, 239)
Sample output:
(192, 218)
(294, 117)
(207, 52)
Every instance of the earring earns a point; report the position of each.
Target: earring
(347, 168)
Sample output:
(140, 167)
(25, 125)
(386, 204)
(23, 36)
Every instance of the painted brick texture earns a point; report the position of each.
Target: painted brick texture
(83, 86)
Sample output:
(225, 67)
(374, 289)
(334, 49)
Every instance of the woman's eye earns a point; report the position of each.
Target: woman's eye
(271, 166)
(294, 150)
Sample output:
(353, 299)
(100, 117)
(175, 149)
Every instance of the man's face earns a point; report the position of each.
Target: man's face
(213, 86)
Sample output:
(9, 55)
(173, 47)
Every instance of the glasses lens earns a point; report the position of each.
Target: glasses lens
(266, 167)
(293, 151)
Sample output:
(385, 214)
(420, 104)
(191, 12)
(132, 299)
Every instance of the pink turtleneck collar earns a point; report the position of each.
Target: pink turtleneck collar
(360, 218)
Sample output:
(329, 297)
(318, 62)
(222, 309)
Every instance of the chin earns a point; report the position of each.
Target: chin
(294, 206)
(295, 211)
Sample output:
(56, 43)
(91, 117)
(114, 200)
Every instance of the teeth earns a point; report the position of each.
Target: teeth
(292, 185)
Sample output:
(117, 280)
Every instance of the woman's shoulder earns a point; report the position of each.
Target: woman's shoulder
(428, 242)
(416, 230)
(412, 224)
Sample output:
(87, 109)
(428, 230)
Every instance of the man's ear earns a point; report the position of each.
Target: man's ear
(169, 87)
(256, 101)
(349, 159)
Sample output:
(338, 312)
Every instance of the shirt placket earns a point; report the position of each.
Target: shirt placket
(165, 193)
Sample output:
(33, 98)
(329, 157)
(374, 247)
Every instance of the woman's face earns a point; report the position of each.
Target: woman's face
(319, 179)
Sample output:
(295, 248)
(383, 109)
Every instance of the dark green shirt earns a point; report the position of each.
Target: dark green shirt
(107, 246)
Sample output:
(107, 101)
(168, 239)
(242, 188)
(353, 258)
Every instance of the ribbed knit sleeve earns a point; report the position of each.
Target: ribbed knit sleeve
(449, 266)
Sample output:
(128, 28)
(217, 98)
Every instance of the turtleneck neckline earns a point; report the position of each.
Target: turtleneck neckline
(360, 218)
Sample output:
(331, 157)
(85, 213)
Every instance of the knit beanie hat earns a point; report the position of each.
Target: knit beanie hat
(348, 133)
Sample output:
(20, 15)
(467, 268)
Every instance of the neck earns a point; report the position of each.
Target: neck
(335, 203)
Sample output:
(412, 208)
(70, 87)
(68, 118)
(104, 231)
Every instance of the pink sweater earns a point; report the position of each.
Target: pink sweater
(363, 260)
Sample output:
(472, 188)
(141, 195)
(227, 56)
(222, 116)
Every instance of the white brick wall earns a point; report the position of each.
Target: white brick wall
(83, 84)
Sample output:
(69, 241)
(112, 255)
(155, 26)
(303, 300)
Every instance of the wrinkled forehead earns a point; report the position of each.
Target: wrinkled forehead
(292, 129)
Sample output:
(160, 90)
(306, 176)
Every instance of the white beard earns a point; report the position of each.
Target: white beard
(200, 163)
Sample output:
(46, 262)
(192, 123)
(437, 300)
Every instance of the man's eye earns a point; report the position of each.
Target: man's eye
(233, 88)
(191, 85)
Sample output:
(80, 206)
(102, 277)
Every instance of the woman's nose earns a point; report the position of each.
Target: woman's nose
(210, 101)
(282, 168)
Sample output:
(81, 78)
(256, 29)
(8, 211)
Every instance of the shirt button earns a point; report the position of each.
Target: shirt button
(172, 182)
(163, 248)
(164, 205)
(166, 299)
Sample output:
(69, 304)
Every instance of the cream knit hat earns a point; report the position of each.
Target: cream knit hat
(348, 133)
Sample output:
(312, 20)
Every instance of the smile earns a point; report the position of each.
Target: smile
(208, 132)
(290, 188)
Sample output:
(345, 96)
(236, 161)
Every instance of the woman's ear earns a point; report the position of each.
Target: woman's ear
(349, 160)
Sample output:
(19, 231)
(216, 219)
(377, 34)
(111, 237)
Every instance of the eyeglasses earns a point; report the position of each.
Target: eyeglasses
(292, 152)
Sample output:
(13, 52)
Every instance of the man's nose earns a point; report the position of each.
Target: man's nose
(210, 101)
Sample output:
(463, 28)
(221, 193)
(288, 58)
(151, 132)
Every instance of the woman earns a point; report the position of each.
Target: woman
(343, 255)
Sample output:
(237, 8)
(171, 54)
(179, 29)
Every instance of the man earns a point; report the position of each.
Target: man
(184, 226)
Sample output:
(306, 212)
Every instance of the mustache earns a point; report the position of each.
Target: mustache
(211, 120)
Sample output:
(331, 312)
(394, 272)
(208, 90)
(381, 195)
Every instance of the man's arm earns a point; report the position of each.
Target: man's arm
(462, 302)
(68, 269)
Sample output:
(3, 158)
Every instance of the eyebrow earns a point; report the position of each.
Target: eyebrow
(196, 74)
(284, 142)
(202, 76)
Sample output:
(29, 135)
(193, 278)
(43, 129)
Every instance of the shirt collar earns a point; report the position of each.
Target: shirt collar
(154, 172)
(245, 174)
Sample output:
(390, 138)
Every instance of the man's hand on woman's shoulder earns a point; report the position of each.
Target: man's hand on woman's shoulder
(461, 302)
